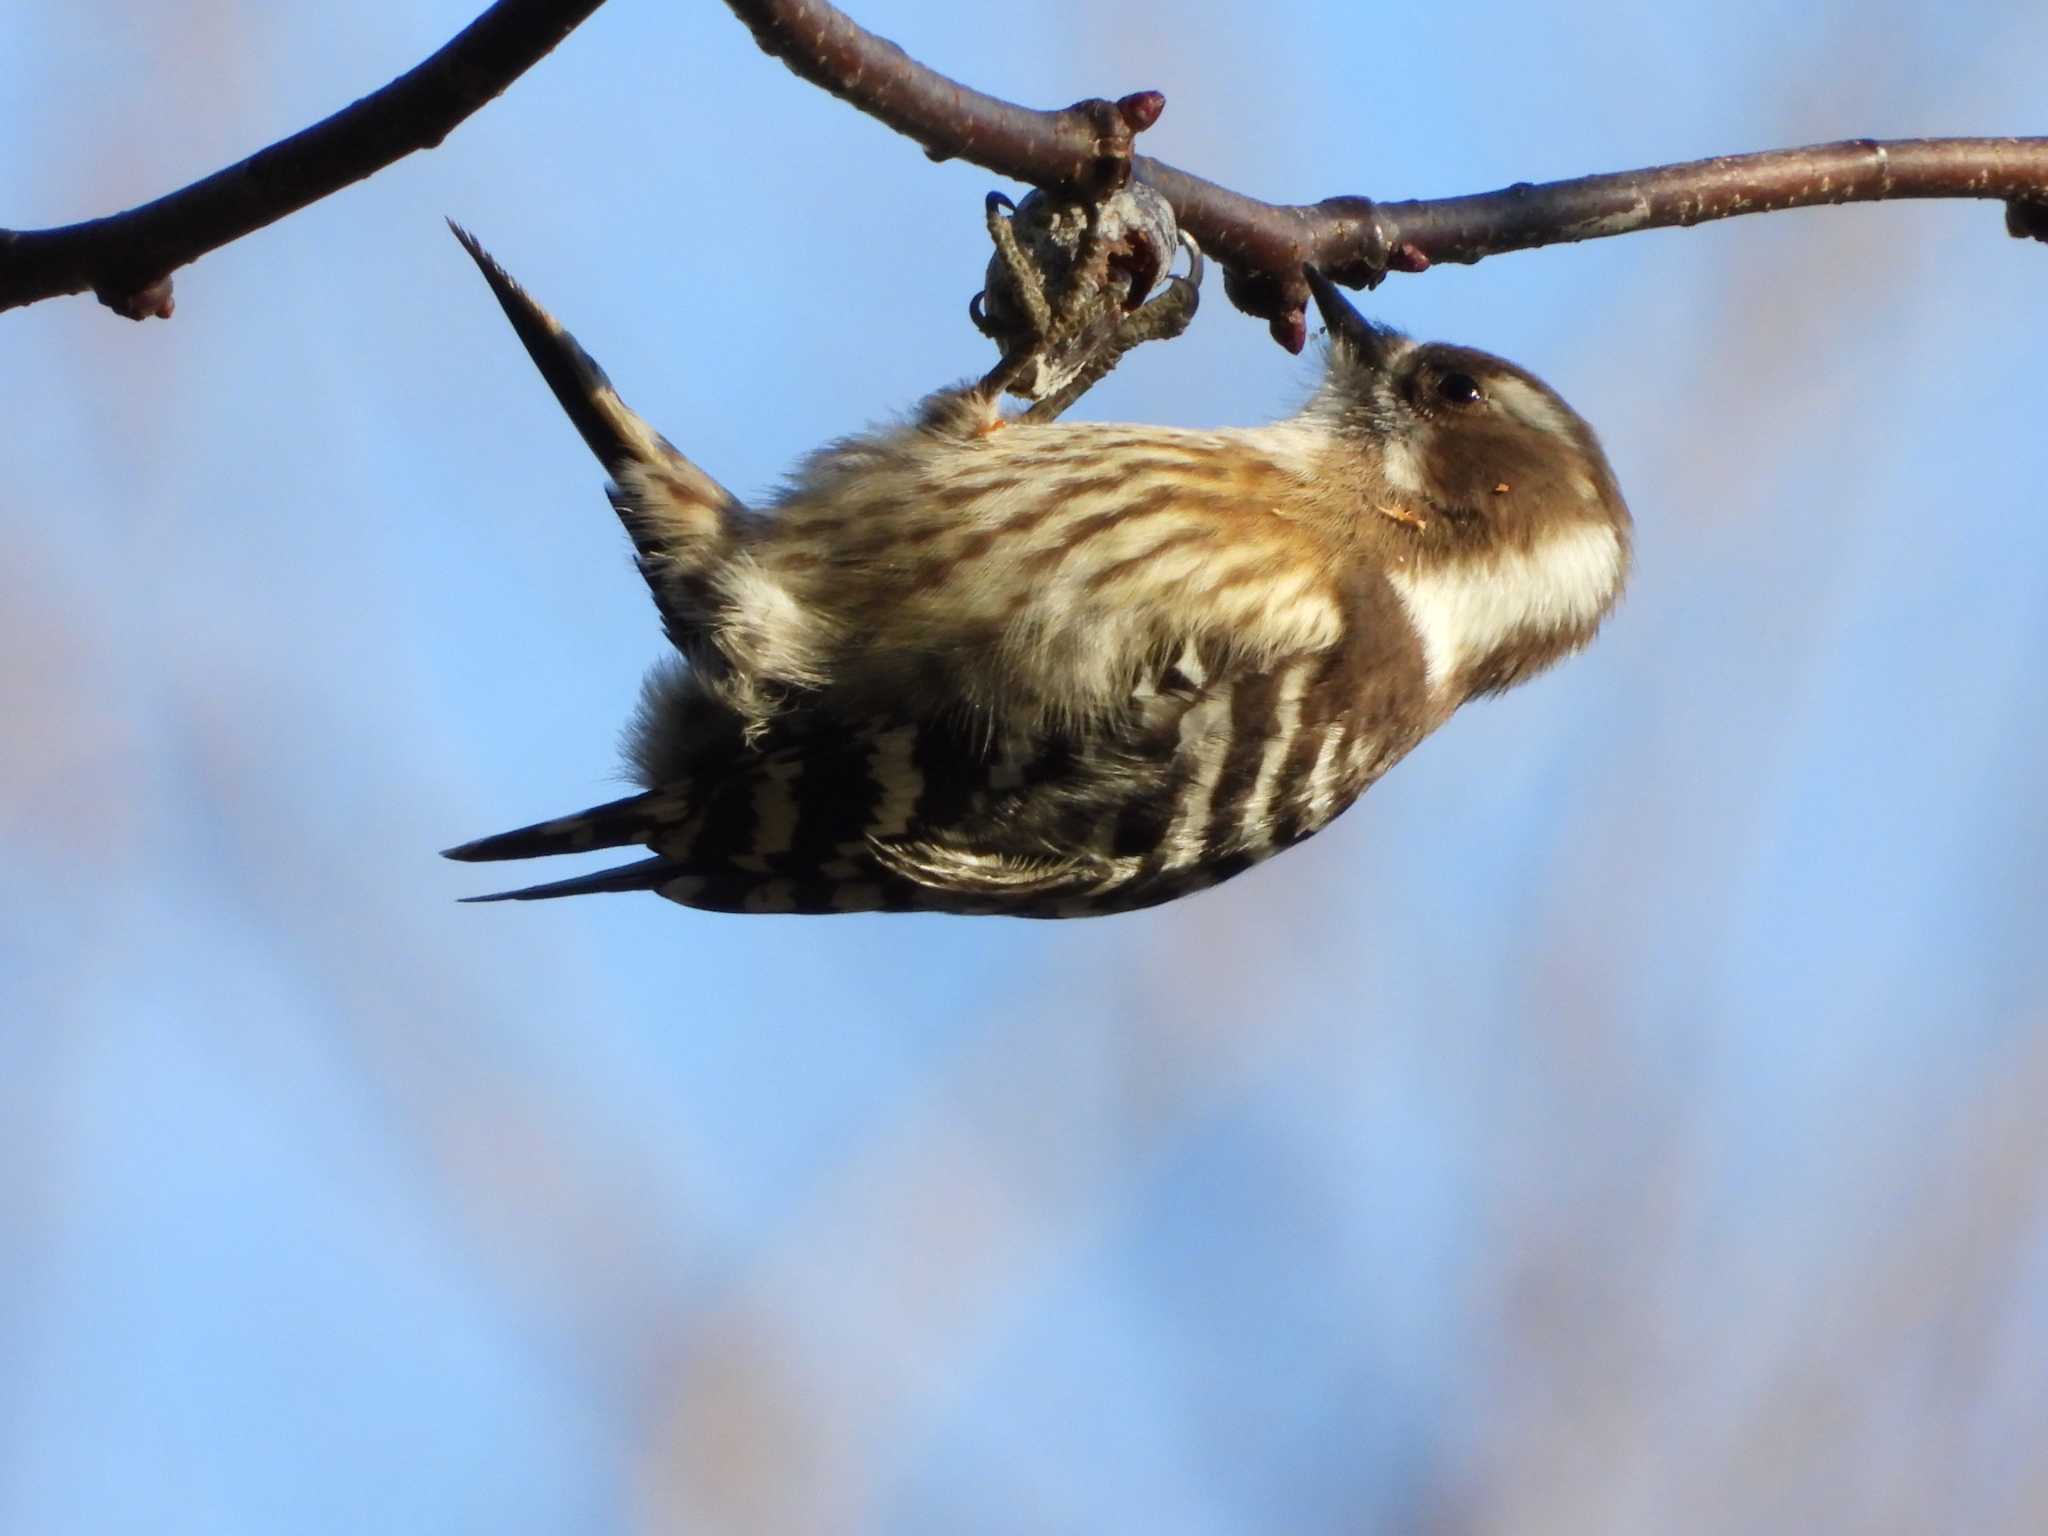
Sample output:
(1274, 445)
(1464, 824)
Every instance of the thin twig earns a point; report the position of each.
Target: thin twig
(127, 258)
(1852, 171)
(1263, 246)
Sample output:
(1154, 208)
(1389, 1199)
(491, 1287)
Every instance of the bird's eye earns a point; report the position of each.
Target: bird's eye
(1459, 388)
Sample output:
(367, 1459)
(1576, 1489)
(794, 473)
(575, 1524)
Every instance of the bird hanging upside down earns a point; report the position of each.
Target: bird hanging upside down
(980, 664)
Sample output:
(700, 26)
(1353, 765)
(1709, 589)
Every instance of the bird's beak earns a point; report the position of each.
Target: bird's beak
(1367, 342)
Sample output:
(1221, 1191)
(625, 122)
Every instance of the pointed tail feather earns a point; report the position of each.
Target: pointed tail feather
(615, 432)
(644, 875)
(617, 824)
(678, 517)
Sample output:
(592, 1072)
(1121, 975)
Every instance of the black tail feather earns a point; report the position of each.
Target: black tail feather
(617, 824)
(581, 386)
(644, 875)
(677, 516)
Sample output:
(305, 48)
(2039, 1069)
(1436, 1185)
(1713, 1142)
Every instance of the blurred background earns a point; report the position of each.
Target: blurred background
(1629, 1118)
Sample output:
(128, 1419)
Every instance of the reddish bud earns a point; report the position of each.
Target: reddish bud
(150, 301)
(1141, 109)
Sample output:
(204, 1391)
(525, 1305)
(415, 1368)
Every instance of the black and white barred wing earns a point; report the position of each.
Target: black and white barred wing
(822, 825)
(1202, 775)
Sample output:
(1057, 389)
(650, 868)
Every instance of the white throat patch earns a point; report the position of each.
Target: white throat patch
(1465, 611)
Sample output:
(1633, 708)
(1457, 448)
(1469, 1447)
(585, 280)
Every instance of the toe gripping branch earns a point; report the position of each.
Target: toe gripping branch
(1071, 286)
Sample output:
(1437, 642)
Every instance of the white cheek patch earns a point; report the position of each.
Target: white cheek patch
(1464, 612)
(1398, 464)
(1530, 406)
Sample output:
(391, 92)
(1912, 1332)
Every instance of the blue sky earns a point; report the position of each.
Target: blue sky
(1626, 1118)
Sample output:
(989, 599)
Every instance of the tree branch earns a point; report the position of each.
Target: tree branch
(127, 258)
(1086, 149)
(1262, 246)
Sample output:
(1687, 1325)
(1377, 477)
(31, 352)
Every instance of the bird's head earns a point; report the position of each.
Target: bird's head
(1485, 497)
